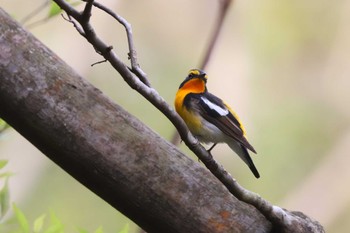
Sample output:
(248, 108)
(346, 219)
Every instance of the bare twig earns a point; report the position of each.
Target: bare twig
(35, 12)
(284, 220)
(223, 7)
(75, 24)
(98, 62)
(135, 66)
(4, 127)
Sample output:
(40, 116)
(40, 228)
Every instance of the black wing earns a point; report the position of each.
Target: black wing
(214, 111)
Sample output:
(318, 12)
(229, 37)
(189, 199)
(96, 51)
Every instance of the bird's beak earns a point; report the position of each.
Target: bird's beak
(204, 77)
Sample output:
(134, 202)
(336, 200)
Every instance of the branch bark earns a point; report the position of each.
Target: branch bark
(107, 149)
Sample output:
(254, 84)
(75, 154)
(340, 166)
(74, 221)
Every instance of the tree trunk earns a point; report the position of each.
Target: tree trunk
(107, 149)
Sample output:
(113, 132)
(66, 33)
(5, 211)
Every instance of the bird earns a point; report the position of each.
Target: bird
(210, 119)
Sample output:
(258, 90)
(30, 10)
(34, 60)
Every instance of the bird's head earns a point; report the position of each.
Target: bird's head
(195, 77)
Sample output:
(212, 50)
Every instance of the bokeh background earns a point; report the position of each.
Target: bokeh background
(282, 65)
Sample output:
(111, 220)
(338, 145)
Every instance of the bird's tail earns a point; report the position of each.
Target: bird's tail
(244, 155)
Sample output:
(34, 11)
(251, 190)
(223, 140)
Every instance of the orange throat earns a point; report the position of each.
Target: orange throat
(192, 86)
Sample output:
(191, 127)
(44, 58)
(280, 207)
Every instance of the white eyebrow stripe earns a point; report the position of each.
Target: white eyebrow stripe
(218, 109)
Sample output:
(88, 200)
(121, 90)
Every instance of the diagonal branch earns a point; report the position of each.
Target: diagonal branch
(223, 7)
(86, 15)
(283, 220)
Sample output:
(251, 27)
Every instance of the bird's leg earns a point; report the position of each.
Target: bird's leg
(209, 151)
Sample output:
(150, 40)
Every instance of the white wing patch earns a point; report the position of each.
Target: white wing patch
(218, 109)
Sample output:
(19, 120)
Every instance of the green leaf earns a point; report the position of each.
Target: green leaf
(82, 230)
(6, 174)
(54, 219)
(54, 9)
(99, 230)
(39, 223)
(125, 229)
(22, 220)
(3, 163)
(4, 199)
(54, 229)
(55, 224)
(3, 125)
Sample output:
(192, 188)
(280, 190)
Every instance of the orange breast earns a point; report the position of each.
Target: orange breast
(192, 86)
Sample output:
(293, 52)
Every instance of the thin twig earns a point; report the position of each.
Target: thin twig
(75, 24)
(98, 62)
(223, 7)
(35, 12)
(37, 23)
(135, 67)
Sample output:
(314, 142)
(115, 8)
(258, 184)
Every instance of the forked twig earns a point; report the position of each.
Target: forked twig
(135, 66)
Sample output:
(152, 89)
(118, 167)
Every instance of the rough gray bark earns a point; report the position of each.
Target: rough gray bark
(107, 149)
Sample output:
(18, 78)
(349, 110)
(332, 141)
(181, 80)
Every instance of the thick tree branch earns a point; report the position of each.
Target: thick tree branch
(284, 220)
(107, 149)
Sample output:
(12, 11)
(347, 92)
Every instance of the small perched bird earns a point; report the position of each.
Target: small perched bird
(210, 119)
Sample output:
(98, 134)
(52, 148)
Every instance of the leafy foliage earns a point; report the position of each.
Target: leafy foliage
(21, 223)
(3, 126)
(39, 223)
(124, 230)
(21, 219)
(55, 9)
(4, 191)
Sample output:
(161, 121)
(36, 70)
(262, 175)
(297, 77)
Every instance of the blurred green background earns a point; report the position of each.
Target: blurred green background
(282, 65)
